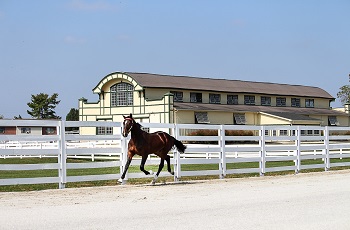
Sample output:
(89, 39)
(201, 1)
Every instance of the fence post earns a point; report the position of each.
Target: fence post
(326, 142)
(123, 156)
(297, 143)
(262, 151)
(222, 166)
(62, 172)
(177, 165)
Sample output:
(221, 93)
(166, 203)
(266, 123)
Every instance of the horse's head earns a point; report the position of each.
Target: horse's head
(127, 124)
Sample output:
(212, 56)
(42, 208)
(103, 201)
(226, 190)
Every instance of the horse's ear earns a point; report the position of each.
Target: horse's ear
(130, 115)
(124, 116)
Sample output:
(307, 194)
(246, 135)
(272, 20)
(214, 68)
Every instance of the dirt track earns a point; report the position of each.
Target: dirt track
(305, 201)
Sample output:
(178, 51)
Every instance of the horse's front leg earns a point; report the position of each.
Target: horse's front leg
(142, 165)
(125, 169)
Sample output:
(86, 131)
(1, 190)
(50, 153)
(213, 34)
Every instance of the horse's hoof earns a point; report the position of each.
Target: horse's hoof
(121, 181)
(151, 172)
(154, 180)
(172, 173)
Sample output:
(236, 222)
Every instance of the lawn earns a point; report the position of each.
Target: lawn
(113, 170)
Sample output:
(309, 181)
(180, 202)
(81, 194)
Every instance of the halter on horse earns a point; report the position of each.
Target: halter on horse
(143, 144)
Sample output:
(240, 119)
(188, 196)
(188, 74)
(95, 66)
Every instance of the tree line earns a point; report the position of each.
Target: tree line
(42, 106)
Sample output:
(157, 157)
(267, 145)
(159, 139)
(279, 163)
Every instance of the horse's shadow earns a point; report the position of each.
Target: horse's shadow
(176, 183)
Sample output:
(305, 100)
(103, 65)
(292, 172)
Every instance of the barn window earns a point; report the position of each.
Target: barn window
(280, 101)
(2, 130)
(201, 118)
(26, 130)
(178, 96)
(249, 100)
(239, 118)
(214, 98)
(295, 102)
(196, 97)
(122, 94)
(232, 99)
(265, 100)
(104, 130)
(309, 103)
(50, 130)
(283, 132)
(332, 120)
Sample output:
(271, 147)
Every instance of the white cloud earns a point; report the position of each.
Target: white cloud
(96, 5)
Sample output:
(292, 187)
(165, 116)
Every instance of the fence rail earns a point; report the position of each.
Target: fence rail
(258, 150)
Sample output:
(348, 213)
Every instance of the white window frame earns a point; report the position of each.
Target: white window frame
(196, 97)
(309, 103)
(295, 102)
(239, 119)
(122, 94)
(214, 98)
(249, 100)
(281, 101)
(265, 100)
(201, 118)
(178, 96)
(232, 99)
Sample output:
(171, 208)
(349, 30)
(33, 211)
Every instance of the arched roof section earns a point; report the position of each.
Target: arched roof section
(116, 75)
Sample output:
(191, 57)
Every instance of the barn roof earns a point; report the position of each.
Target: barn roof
(281, 111)
(148, 80)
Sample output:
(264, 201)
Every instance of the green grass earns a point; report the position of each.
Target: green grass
(113, 170)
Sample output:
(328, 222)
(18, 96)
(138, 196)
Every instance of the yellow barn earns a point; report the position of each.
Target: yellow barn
(157, 98)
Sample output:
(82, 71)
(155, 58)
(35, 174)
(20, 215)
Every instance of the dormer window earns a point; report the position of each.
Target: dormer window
(196, 97)
(265, 100)
(295, 102)
(178, 96)
(280, 101)
(214, 98)
(249, 100)
(232, 99)
(309, 103)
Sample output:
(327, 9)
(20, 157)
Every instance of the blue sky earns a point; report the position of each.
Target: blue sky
(68, 46)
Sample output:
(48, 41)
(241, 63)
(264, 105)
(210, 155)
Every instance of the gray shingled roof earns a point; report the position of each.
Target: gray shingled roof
(256, 108)
(147, 80)
(293, 116)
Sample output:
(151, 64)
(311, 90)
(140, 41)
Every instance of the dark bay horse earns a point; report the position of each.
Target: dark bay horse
(143, 144)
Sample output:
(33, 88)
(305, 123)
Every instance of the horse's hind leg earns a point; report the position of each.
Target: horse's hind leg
(167, 158)
(161, 165)
(142, 165)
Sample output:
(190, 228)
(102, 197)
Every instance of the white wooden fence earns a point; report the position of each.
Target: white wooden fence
(327, 146)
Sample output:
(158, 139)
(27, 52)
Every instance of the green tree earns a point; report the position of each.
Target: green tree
(19, 117)
(43, 106)
(1, 116)
(73, 115)
(344, 94)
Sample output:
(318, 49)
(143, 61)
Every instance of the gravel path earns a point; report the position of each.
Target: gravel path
(304, 201)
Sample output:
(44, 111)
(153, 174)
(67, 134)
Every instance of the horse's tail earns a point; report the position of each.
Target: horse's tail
(180, 147)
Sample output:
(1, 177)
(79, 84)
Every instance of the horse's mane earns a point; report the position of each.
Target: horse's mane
(138, 125)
